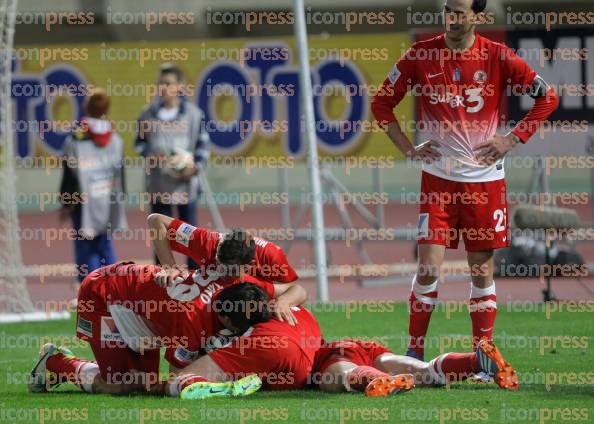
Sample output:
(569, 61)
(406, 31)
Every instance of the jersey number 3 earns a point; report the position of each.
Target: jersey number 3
(473, 95)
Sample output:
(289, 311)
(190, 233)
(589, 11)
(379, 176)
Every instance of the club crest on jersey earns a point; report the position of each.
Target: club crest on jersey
(480, 76)
(184, 233)
(456, 76)
(394, 74)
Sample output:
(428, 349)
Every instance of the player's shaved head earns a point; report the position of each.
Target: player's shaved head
(242, 306)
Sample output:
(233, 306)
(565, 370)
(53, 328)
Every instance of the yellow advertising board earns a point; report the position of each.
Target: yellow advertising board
(248, 89)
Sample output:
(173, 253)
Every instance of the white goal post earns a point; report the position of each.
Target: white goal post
(15, 302)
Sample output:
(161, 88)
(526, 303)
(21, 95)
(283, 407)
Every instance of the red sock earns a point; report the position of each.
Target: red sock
(358, 378)
(421, 303)
(181, 382)
(483, 311)
(450, 367)
(70, 368)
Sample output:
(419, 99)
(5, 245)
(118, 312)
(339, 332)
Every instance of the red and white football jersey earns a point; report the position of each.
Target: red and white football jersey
(180, 317)
(270, 261)
(460, 94)
(281, 354)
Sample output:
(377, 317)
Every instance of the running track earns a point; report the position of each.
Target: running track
(59, 288)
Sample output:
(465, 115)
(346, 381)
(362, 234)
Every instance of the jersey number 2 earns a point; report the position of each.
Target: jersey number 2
(499, 216)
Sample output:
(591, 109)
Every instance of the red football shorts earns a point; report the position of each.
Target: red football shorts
(359, 352)
(94, 324)
(279, 361)
(475, 212)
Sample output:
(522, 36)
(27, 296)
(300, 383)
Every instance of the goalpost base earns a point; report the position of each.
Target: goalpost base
(35, 316)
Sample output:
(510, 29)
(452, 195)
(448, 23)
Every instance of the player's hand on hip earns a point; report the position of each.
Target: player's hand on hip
(282, 311)
(495, 148)
(427, 152)
(167, 276)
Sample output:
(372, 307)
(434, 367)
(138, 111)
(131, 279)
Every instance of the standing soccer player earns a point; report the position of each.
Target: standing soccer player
(460, 79)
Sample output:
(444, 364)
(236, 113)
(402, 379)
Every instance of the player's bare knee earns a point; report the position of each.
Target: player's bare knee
(480, 257)
(430, 260)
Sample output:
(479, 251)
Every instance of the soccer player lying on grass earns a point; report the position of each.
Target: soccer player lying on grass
(363, 366)
(126, 318)
(214, 251)
(280, 354)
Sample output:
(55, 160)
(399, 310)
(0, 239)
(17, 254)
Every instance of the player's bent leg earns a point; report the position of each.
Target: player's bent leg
(445, 369)
(393, 364)
(483, 300)
(423, 296)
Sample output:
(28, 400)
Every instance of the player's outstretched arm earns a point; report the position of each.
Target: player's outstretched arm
(285, 296)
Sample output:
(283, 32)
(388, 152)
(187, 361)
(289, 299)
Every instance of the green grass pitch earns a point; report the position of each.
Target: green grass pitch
(553, 356)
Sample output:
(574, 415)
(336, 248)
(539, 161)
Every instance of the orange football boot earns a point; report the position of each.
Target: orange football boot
(390, 385)
(504, 374)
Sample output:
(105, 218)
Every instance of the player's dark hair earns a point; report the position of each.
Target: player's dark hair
(236, 248)
(171, 69)
(478, 6)
(245, 304)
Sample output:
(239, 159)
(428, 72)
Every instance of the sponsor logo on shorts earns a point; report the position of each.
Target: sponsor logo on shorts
(85, 327)
(184, 355)
(109, 331)
(184, 233)
(423, 225)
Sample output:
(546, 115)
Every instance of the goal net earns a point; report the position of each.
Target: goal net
(15, 302)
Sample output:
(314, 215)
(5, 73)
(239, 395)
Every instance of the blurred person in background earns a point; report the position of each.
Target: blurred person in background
(173, 139)
(92, 187)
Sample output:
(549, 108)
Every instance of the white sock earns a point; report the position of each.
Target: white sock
(476, 292)
(437, 374)
(175, 387)
(419, 289)
(86, 375)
